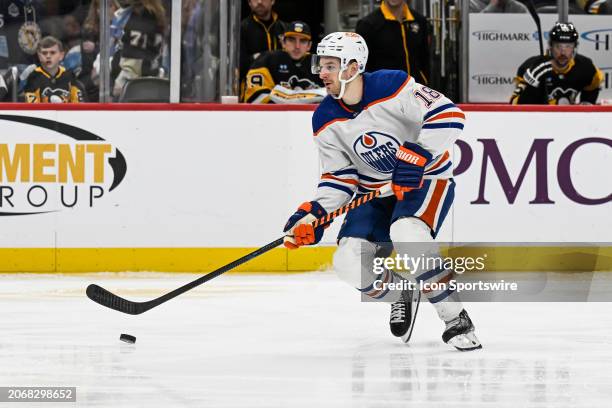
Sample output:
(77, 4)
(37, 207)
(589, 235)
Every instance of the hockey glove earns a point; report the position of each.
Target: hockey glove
(409, 168)
(535, 75)
(299, 230)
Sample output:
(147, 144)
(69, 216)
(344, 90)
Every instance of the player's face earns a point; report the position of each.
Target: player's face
(328, 72)
(50, 58)
(329, 68)
(261, 8)
(297, 47)
(562, 53)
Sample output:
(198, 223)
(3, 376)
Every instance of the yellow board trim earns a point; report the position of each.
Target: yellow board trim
(76, 260)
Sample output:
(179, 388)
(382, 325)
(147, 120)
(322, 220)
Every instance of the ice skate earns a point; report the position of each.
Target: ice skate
(459, 333)
(403, 314)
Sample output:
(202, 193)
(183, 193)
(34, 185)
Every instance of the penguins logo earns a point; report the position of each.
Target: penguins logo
(299, 83)
(55, 95)
(563, 96)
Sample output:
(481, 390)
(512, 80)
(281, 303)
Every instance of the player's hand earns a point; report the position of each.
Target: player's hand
(534, 75)
(409, 168)
(299, 230)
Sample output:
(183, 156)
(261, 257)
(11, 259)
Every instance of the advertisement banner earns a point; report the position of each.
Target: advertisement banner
(499, 43)
(168, 190)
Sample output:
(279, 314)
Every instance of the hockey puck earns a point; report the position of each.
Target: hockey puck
(128, 338)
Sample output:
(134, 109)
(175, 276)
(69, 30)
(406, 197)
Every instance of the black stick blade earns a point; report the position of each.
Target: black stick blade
(105, 298)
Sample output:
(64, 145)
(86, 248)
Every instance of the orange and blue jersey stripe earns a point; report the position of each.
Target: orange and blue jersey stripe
(345, 180)
(445, 116)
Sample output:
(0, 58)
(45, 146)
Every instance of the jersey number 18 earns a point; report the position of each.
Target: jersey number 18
(427, 95)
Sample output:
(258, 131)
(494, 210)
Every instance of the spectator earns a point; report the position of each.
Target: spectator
(261, 31)
(142, 42)
(397, 37)
(71, 31)
(560, 76)
(505, 6)
(284, 76)
(90, 38)
(50, 82)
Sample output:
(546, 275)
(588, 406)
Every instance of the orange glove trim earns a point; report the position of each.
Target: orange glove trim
(411, 157)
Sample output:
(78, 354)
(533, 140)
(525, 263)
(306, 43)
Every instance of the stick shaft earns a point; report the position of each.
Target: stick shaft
(112, 301)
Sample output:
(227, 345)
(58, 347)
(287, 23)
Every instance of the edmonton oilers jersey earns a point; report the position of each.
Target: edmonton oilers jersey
(357, 145)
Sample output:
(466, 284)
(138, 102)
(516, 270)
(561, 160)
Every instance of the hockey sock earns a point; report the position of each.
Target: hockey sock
(379, 288)
(434, 284)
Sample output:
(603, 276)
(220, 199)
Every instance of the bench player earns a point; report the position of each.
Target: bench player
(559, 77)
(284, 76)
(372, 129)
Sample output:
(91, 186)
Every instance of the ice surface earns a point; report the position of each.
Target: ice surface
(302, 340)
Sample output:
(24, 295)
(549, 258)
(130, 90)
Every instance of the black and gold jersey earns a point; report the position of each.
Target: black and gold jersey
(256, 37)
(41, 87)
(278, 68)
(143, 40)
(580, 78)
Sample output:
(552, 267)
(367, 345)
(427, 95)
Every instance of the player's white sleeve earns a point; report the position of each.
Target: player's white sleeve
(442, 125)
(339, 179)
(441, 120)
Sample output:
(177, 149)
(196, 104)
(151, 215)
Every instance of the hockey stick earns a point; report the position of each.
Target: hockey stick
(536, 19)
(105, 298)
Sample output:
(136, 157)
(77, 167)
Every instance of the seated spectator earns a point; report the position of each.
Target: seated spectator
(284, 76)
(559, 77)
(141, 46)
(50, 82)
(397, 37)
(505, 6)
(71, 33)
(259, 32)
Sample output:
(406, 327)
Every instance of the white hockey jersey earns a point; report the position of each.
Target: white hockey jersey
(357, 148)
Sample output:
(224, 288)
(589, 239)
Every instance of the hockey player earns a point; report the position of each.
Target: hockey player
(560, 76)
(373, 129)
(49, 82)
(284, 76)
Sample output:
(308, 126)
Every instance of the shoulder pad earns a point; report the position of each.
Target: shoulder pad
(382, 84)
(327, 111)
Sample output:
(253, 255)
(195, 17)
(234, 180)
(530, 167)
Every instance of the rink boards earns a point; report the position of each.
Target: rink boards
(189, 188)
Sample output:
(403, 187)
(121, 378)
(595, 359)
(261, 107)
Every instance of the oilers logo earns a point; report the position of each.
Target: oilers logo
(377, 150)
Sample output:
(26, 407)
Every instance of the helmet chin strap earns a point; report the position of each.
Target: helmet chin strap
(343, 83)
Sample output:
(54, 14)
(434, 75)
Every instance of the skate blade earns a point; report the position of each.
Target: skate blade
(465, 342)
(416, 300)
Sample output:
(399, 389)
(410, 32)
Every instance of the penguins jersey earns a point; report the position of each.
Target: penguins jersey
(40, 87)
(275, 77)
(357, 145)
(580, 77)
